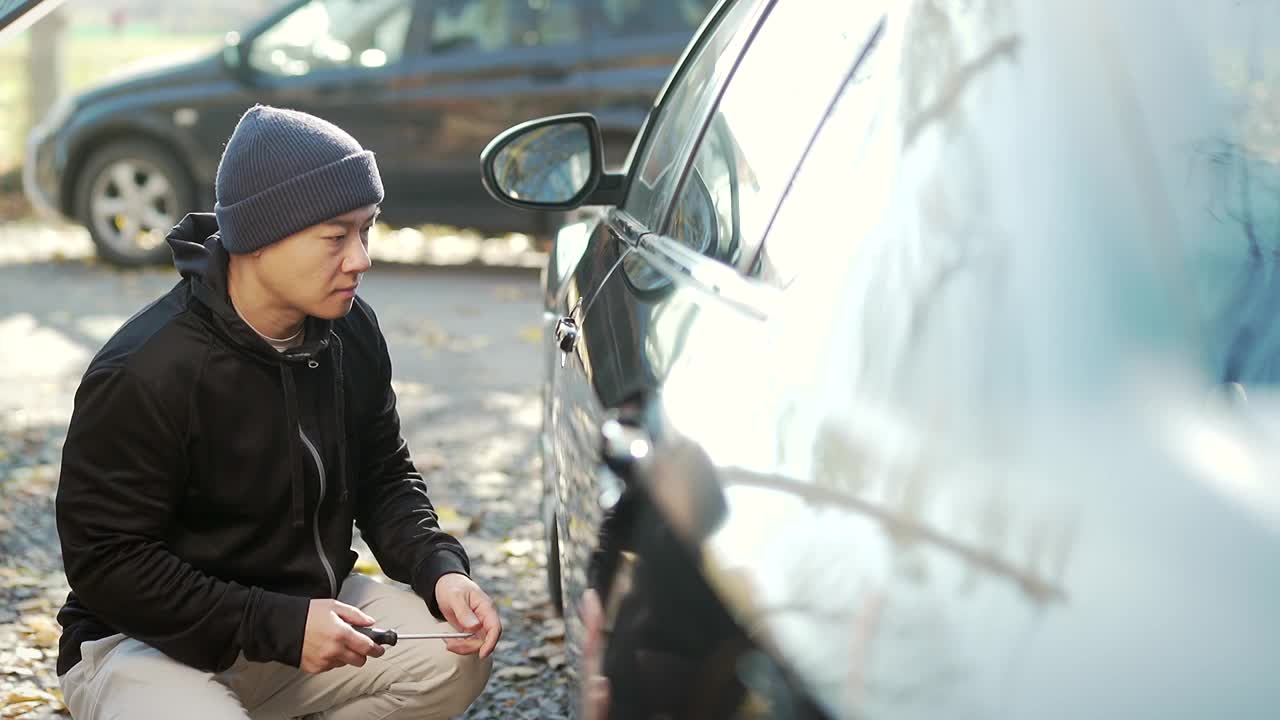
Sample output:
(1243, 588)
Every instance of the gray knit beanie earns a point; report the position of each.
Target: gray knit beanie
(284, 171)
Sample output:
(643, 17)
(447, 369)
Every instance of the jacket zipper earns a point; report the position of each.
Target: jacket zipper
(315, 526)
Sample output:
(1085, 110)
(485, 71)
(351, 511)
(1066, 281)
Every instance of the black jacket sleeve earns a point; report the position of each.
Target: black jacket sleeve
(123, 468)
(392, 509)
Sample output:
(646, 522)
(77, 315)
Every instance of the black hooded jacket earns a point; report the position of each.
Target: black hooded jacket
(209, 483)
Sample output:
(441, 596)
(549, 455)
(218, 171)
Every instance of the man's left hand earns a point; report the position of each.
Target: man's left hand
(468, 609)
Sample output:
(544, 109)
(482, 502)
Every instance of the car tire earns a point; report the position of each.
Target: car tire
(129, 195)
(554, 591)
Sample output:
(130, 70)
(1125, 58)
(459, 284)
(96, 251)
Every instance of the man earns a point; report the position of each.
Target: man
(223, 442)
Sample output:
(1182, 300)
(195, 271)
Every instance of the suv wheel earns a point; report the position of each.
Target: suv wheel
(129, 196)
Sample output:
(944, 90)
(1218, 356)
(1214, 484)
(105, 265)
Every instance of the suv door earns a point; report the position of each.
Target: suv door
(631, 52)
(424, 84)
(484, 64)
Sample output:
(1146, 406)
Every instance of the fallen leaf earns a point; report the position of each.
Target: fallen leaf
(524, 605)
(428, 460)
(517, 672)
(492, 571)
(5, 524)
(557, 661)
(17, 671)
(32, 605)
(368, 566)
(453, 522)
(13, 579)
(28, 695)
(42, 630)
(13, 711)
(517, 548)
(27, 653)
(543, 652)
(553, 629)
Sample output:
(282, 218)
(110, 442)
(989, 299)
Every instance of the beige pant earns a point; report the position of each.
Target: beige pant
(119, 677)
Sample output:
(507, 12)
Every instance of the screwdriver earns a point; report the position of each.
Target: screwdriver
(391, 637)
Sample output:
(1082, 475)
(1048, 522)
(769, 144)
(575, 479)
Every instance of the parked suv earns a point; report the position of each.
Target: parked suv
(423, 83)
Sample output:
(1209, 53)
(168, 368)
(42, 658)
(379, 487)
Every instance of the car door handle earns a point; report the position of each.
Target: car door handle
(568, 330)
(359, 87)
(566, 337)
(548, 72)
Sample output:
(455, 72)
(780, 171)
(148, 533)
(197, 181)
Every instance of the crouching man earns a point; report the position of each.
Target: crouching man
(222, 445)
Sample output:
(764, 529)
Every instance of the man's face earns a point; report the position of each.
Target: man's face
(316, 271)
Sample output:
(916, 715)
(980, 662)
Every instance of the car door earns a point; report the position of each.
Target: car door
(700, 303)
(606, 369)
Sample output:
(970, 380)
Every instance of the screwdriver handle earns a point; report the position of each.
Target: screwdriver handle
(378, 635)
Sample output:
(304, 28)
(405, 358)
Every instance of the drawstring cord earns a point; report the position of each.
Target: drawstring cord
(340, 394)
(291, 423)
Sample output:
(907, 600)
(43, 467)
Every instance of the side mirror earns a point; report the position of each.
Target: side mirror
(553, 163)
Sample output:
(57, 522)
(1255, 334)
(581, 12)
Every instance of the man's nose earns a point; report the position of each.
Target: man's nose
(357, 259)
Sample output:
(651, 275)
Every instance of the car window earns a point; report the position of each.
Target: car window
(620, 18)
(470, 25)
(326, 34)
(749, 149)
(978, 274)
(553, 22)
(492, 25)
(669, 140)
(840, 165)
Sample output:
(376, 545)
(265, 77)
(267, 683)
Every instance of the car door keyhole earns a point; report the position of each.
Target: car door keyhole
(566, 337)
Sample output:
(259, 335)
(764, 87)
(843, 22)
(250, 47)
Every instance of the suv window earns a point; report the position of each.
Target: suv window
(326, 34)
(647, 17)
(669, 139)
(749, 149)
(491, 25)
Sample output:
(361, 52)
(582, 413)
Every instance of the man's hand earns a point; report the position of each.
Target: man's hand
(594, 703)
(468, 609)
(330, 642)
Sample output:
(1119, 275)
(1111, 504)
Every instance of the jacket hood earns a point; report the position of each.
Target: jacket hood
(202, 261)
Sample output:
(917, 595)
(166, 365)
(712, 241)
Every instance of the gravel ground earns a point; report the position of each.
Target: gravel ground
(466, 368)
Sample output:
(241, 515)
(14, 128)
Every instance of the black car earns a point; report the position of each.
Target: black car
(923, 363)
(423, 83)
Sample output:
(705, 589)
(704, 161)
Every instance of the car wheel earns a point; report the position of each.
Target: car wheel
(552, 543)
(129, 196)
